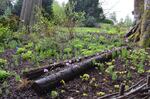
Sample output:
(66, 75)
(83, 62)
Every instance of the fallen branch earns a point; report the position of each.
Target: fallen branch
(137, 90)
(43, 85)
(114, 94)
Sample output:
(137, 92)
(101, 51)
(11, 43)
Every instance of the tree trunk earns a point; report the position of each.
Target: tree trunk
(145, 27)
(138, 9)
(28, 12)
(141, 32)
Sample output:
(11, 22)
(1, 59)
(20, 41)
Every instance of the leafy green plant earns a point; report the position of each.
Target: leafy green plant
(85, 77)
(3, 62)
(27, 55)
(29, 45)
(129, 75)
(85, 94)
(4, 74)
(140, 68)
(54, 94)
(17, 77)
(124, 53)
(21, 50)
(87, 52)
(100, 66)
(5, 34)
(67, 50)
(114, 76)
(1, 49)
(100, 94)
(12, 44)
(110, 70)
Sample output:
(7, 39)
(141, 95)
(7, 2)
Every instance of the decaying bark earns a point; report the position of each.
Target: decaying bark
(45, 84)
(29, 10)
(141, 32)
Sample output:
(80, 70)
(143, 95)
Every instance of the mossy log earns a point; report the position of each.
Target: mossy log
(43, 85)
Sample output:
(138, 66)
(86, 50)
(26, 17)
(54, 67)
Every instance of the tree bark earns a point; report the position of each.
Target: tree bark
(145, 27)
(141, 33)
(29, 10)
(138, 9)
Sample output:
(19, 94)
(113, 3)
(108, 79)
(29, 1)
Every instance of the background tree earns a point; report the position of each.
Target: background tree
(5, 5)
(31, 7)
(47, 8)
(17, 7)
(29, 10)
(46, 4)
(93, 10)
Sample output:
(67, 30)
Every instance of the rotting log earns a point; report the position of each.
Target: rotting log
(43, 85)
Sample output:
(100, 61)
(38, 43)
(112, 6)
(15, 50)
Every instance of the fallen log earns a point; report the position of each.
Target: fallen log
(43, 85)
(35, 73)
(32, 74)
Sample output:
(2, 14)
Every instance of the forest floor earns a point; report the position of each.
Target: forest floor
(106, 78)
(98, 83)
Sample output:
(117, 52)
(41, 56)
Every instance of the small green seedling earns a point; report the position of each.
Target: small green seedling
(62, 82)
(27, 55)
(85, 94)
(116, 87)
(17, 77)
(4, 74)
(21, 50)
(114, 76)
(54, 94)
(100, 94)
(62, 91)
(109, 70)
(85, 77)
(3, 62)
(129, 75)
